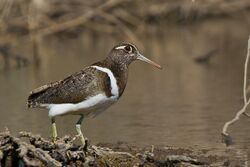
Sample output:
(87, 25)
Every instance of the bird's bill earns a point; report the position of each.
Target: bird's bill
(142, 58)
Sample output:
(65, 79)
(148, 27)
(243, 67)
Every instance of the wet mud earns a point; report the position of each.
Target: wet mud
(33, 150)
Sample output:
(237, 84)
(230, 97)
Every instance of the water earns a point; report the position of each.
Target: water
(186, 104)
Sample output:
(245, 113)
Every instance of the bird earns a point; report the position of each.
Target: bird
(205, 58)
(90, 91)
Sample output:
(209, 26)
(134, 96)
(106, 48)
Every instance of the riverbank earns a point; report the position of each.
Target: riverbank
(33, 150)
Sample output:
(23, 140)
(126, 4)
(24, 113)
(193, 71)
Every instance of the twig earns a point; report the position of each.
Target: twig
(245, 73)
(103, 28)
(101, 151)
(236, 118)
(38, 153)
(246, 102)
(34, 38)
(30, 155)
(245, 76)
(127, 17)
(122, 27)
(6, 8)
(79, 20)
(246, 114)
(183, 158)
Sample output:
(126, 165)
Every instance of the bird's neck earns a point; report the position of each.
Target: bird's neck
(119, 70)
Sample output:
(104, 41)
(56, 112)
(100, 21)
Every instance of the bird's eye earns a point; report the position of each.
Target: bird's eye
(128, 49)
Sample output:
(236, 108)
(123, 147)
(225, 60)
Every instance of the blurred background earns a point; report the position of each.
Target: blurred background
(201, 46)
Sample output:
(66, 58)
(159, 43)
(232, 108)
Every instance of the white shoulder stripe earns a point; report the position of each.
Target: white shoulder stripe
(113, 82)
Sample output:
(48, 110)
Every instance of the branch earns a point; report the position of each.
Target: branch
(122, 27)
(236, 118)
(101, 151)
(245, 77)
(245, 73)
(246, 102)
(79, 20)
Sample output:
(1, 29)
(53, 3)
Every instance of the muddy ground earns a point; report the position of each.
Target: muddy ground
(32, 150)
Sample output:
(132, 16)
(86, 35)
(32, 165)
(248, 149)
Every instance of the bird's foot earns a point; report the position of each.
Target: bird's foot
(83, 140)
(54, 139)
(77, 136)
(84, 147)
(79, 132)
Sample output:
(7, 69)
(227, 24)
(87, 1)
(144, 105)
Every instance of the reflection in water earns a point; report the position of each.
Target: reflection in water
(185, 104)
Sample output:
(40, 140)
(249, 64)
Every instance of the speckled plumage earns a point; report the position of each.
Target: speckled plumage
(73, 89)
(92, 82)
(90, 91)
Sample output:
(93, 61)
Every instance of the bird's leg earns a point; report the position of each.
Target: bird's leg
(54, 131)
(78, 129)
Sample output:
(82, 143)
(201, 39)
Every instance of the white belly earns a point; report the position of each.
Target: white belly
(93, 105)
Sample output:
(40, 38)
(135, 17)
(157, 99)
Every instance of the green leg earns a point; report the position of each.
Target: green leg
(54, 131)
(78, 129)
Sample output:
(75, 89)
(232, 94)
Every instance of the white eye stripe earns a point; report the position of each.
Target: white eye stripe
(120, 47)
(125, 47)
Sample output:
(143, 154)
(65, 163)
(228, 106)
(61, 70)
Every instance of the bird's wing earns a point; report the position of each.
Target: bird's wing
(73, 89)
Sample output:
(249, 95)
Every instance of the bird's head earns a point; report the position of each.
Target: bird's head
(126, 53)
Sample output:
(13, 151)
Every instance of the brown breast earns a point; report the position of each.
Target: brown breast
(120, 73)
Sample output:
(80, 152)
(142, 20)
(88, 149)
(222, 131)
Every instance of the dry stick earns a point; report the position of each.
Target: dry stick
(246, 103)
(245, 76)
(6, 8)
(2, 5)
(236, 118)
(79, 20)
(100, 27)
(124, 15)
(38, 153)
(102, 151)
(122, 26)
(34, 38)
